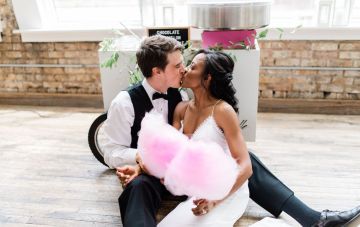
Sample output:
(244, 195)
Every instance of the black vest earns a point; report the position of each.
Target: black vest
(142, 104)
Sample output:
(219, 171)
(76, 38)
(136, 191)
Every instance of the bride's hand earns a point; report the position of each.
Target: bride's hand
(203, 206)
(141, 164)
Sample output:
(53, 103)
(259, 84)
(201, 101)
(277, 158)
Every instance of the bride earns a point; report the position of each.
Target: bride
(212, 116)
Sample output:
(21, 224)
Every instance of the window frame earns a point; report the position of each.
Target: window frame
(30, 22)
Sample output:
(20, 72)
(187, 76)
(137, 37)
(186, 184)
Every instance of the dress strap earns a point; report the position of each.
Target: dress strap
(212, 112)
(187, 107)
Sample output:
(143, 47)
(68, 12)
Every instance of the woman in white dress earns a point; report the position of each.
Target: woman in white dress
(212, 116)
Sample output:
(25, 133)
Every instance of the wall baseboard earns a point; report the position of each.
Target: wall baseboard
(308, 106)
(46, 99)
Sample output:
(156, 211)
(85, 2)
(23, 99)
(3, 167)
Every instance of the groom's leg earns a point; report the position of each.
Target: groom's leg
(274, 196)
(140, 201)
(267, 190)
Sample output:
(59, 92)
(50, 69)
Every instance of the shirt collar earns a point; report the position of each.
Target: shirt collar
(149, 90)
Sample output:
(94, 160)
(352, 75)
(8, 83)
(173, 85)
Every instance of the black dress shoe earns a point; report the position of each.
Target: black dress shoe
(337, 218)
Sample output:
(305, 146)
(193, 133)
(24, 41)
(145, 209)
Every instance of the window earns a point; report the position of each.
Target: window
(92, 17)
(316, 13)
(109, 13)
(287, 13)
(355, 14)
(90, 13)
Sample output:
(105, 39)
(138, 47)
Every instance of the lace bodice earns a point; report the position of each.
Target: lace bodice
(209, 131)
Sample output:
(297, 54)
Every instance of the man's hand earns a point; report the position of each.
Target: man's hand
(127, 173)
(203, 206)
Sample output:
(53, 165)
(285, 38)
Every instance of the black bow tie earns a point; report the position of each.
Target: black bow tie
(158, 95)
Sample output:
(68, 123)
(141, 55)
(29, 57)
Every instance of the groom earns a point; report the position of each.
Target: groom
(161, 63)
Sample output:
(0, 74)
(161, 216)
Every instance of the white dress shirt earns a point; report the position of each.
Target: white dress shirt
(120, 119)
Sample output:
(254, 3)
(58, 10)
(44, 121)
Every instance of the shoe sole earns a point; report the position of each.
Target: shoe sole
(352, 221)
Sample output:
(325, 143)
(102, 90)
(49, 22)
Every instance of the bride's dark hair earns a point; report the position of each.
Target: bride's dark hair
(220, 66)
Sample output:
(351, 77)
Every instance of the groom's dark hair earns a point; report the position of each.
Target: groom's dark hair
(153, 52)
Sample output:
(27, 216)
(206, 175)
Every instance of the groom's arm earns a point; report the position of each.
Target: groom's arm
(117, 151)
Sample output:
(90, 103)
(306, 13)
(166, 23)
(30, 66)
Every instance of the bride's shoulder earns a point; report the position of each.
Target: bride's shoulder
(224, 112)
(182, 105)
(224, 108)
(179, 114)
(181, 108)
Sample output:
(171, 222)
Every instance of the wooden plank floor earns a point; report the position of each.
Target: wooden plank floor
(48, 176)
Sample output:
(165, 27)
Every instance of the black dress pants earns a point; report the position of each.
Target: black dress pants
(142, 197)
(266, 189)
(140, 201)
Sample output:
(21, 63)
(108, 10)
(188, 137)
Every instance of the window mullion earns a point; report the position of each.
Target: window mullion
(48, 13)
(27, 14)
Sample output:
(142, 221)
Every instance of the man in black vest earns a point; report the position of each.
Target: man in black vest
(161, 63)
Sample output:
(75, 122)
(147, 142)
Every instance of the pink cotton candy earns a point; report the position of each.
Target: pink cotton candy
(193, 168)
(202, 170)
(158, 144)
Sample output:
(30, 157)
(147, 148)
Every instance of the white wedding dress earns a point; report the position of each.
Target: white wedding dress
(226, 213)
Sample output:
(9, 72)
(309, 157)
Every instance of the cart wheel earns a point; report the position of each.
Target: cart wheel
(96, 138)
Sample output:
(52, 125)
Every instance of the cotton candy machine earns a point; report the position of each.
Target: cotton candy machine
(231, 25)
(231, 15)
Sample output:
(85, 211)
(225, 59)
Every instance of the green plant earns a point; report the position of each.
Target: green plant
(135, 75)
(188, 52)
(108, 44)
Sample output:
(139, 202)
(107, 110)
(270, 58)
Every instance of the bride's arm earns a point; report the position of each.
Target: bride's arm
(179, 114)
(227, 120)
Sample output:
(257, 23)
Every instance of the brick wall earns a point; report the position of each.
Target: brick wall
(274, 83)
(321, 83)
(68, 79)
